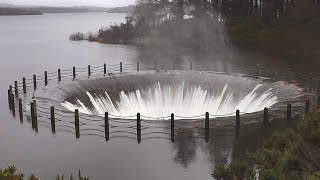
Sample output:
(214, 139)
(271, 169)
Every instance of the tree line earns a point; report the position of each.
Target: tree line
(154, 11)
(17, 11)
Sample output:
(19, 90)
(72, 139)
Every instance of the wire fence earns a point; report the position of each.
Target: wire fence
(141, 127)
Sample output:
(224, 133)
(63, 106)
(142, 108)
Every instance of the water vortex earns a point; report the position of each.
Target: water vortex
(158, 95)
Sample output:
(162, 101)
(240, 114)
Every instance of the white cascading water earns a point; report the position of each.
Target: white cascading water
(159, 102)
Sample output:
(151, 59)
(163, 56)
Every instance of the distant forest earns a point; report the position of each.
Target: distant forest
(267, 10)
(17, 11)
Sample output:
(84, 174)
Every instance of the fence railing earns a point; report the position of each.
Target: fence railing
(140, 127)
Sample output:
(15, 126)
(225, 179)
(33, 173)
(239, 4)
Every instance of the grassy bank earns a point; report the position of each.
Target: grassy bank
(10, 173)
(293, 154)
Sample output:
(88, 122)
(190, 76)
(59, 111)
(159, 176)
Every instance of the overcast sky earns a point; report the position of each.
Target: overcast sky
(103, 3)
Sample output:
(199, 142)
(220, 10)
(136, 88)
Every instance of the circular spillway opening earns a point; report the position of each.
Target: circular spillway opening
(189, 95)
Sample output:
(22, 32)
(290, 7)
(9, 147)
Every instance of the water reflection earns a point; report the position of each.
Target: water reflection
(220, 147)
(185, 147)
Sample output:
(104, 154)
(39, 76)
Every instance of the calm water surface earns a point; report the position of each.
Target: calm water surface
(32, 44)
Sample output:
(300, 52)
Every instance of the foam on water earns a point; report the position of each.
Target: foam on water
(158, 102)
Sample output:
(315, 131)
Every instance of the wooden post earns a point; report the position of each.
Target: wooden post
(45, 78)
(77, 123)
(206, 126)
(59, 75)
(106, 126)
(138, 128)
(237, 124)
(121, 67)
(89, 70)
(35, 115)
(74, 72)
(138, 67)
(155, 66)
(35, 81)
(266, 116)
(13, 106)
(289, 112)
(307, 107)
(190, 66)
(16, 90)
(172, 128)
(24, 85)
(53, 120)
(104, 68)
(20, 110)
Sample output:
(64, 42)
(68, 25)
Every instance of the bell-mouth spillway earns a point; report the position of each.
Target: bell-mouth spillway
(157, 94)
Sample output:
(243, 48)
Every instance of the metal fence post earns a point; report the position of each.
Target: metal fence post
(206, 125)
(106, 126)
(289, 112)
(13, 106)
(32, 115)
(35, 115)
(59, 75)
(53, 120)
(24, 85)
(237, 124)
(172, 128)
(16, 90)
(74, 72)
(35, 81)
(45, 78)
(138, 128)
(138, 66)
(20, 110)
(77, 123)
(265, 116)
(9, 99)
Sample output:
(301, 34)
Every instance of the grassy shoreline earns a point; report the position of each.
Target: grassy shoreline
(292, 154)
(10, 172)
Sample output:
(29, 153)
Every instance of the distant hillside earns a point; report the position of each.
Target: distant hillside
(48, 9)
(125, 9)
(17, 11)
(75, 9)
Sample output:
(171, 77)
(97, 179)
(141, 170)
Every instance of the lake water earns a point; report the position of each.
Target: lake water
(33, 44)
